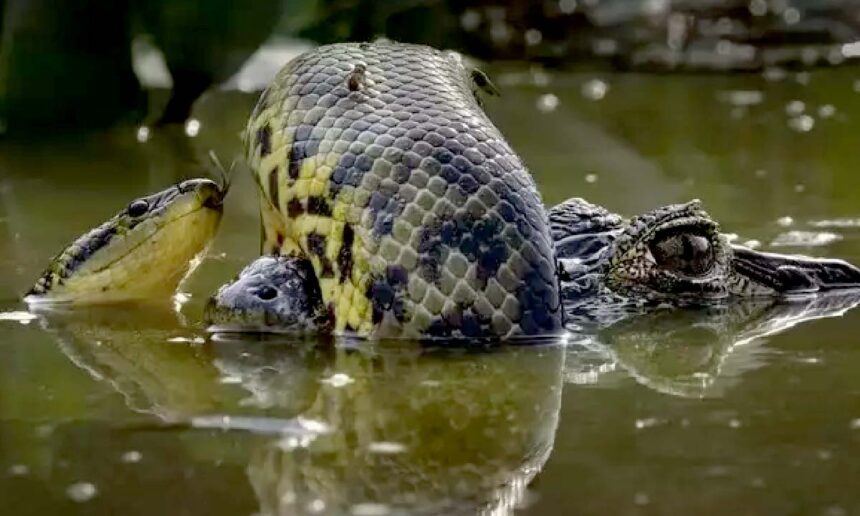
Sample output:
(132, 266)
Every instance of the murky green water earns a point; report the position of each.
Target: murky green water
(753, 409)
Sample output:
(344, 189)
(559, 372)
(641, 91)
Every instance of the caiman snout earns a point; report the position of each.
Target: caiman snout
(768, 273)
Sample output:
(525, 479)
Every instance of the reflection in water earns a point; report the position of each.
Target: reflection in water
(420, 432)
(379, 427)
(684, 352)
(137, 352)
(346, 428)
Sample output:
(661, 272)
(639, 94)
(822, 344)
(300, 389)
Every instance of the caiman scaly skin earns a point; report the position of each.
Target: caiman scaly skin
(376, 162)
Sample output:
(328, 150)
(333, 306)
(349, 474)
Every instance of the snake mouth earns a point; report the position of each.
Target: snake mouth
(772, 273)
(141, 253)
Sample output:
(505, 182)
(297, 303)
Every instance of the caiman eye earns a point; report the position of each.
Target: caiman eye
(687, 253)
(138, 208)
(266, 293)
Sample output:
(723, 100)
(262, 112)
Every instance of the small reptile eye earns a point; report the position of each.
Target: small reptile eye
(138, 208)
(687, 253)
(266, 293)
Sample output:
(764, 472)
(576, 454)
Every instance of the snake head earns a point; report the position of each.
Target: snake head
(140, 253)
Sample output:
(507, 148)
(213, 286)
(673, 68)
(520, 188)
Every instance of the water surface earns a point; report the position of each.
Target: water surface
(751, 408)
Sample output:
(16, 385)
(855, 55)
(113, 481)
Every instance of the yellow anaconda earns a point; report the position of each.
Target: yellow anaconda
(376, 162)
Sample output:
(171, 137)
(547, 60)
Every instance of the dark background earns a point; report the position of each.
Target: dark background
(67, 65)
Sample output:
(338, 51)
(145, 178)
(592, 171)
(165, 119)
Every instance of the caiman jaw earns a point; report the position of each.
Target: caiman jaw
(760, 273)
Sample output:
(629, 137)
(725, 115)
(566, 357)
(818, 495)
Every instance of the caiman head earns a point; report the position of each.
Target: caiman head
(676, 253)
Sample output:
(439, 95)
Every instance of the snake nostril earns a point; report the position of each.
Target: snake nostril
(267, 293)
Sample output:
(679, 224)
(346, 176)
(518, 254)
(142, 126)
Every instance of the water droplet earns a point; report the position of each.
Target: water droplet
(717, 471)
(595, 89)
(752, 244)
(802, 123)
(757, 482)
(785, 221)
(734, 423)
(142, 134)
(655, 7)
(567, 6)
(826, 111)
(774, 74)
(316, 506)
(857, 86)
(291, 442)
(370, 509)
(81, 491)
(19, 470)
(192, 127)
(851, 49)
(855, 424)
(533, 37)
(802, 78)
(799, 188)
(791, 16)
(805, 239)
(824, 454)
(758, 7)
(605, 47)
(760, 173)
(386, 447)
(590, 178)
(337, 380)
(646, 423)
(500, 32)
(547, 102)
(795, 108)
(470, 20)
(810, 360)
(741, 97)
(641, 499)
(131, 457)
(539, 76)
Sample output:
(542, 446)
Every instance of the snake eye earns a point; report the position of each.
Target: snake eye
(266, 293)
(138, 208)
(687, 253)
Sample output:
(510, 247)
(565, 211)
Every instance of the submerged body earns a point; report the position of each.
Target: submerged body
(376, 163)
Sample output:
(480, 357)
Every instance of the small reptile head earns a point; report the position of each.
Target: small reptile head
(141, 252)
(272, 294)
(675, 250)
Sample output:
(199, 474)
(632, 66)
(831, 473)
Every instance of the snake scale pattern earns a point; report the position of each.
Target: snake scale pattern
(377, 163)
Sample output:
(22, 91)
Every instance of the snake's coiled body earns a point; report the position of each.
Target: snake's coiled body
(376, 162)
